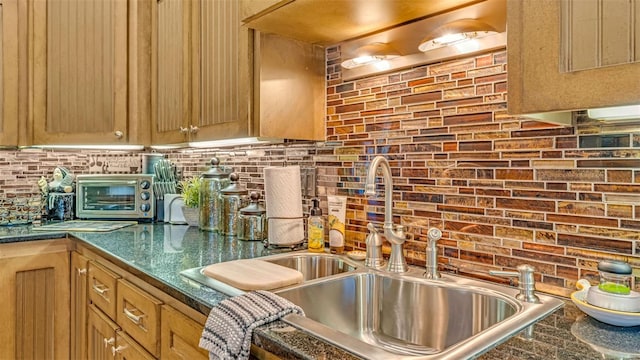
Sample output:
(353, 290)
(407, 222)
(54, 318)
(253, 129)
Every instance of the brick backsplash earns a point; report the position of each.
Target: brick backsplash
(504, 190)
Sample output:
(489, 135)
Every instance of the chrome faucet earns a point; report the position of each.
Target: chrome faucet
(433, 235)
(394, 234)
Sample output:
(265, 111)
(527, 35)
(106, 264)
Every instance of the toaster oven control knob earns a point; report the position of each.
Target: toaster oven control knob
(145, 207)
(145, 184)
(145, 195)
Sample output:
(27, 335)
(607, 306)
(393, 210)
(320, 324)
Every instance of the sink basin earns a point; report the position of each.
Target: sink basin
(313, 266)
(380, 315)
(383, 316)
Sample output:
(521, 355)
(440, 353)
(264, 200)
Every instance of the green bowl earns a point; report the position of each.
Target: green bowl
(614, 288)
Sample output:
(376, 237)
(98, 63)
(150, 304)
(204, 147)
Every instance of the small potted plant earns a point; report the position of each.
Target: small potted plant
(190, 189)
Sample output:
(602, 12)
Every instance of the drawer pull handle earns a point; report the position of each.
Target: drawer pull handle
(100, 289)
(108, 342)
(133, 317)
(81, 272)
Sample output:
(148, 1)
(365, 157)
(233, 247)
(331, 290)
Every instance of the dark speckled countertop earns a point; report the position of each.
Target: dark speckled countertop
(157, 253)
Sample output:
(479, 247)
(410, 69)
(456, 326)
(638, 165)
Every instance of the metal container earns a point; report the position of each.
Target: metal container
(211, 208)
(149, 161)
(233, 197)
(252, 220)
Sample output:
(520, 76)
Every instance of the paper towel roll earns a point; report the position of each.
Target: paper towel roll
(283, 198)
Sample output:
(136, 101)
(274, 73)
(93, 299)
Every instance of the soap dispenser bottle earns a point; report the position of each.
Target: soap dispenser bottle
(315, 228)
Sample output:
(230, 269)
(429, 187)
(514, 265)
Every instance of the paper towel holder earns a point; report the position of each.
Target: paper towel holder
(292, 246)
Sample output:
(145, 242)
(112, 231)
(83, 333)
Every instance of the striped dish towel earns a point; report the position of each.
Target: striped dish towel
(229, 327)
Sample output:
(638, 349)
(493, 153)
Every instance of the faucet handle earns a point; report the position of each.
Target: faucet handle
(526, 282)
(374, 248)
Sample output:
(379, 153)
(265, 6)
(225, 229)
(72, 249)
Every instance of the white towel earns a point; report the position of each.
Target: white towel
(229, 327)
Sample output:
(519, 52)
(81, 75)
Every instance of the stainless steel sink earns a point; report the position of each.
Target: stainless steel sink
(383, 316)
(313, 266)
(380, 315)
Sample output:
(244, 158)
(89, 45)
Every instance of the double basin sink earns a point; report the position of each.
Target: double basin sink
(380, 315)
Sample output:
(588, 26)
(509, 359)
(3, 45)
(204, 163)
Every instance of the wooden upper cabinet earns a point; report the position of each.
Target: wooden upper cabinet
(572, 54)
(87, 71)
(201, 71)
(8, 72)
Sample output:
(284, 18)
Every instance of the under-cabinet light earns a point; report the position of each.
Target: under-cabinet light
(234, 142)
(615, 113)
(90, 147)
(376, 53)
(456, 32)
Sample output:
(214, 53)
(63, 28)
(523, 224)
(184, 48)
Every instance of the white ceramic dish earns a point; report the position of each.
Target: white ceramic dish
(357, 254)
(618, 318)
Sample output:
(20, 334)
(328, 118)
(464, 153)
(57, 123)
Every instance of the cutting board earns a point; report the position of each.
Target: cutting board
(85, 225)
(253, 274)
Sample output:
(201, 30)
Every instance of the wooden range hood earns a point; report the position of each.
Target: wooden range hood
(328, 22)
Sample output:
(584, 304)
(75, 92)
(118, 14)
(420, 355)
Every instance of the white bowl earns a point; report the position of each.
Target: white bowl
(613, 317)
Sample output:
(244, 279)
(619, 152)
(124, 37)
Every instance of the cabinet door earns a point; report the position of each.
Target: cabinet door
(171, 72)
(101, 335)
(127, 349)
(537, 76)
(8, 72)
(79, 71)
(180, 336)
(221, 71)
(79, 303)
(35, 306)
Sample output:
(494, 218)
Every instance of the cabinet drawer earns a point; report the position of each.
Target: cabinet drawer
(181, 336)
(139, 315)
(102, 288)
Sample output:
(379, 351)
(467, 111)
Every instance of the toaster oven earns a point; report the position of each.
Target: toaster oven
(115, 196)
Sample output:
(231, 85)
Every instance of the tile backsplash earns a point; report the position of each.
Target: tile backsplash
(505, 190)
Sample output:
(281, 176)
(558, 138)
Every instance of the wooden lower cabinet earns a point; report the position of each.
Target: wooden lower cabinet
(180, 336)
(35, 300)
(127, 349)
(101, 335)
(143, 326)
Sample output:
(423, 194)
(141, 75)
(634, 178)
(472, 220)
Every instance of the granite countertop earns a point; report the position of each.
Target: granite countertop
(157, 253)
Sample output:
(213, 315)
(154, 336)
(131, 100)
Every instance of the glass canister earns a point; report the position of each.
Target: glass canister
(213, 181)
(252, 220)
(233, 197)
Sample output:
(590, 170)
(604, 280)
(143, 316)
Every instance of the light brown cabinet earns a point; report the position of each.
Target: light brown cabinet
(87, 71)
(8, 72)
(180, 336)
(201, 72)
(101, 335)
(79, 303)
(35, 307)
(568, 55)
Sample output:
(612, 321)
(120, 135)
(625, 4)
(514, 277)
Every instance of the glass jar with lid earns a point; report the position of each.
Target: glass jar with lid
(252, 220)
(233, 198)
(213, 181)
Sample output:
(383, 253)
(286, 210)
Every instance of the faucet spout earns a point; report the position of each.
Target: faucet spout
(397, 262)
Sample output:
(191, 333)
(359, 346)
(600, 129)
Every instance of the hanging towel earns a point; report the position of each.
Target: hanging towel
(229, 327)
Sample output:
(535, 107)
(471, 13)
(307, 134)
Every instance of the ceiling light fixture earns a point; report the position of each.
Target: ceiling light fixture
(371, 54)
(456, 32)
(615, 113)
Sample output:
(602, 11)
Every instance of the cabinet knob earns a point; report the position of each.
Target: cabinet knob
(184, 130)
(118, 134)
(81, 271)
(193, 129)
(109, 341)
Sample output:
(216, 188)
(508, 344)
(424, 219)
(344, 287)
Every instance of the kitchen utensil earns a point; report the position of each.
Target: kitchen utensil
(253, 274)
